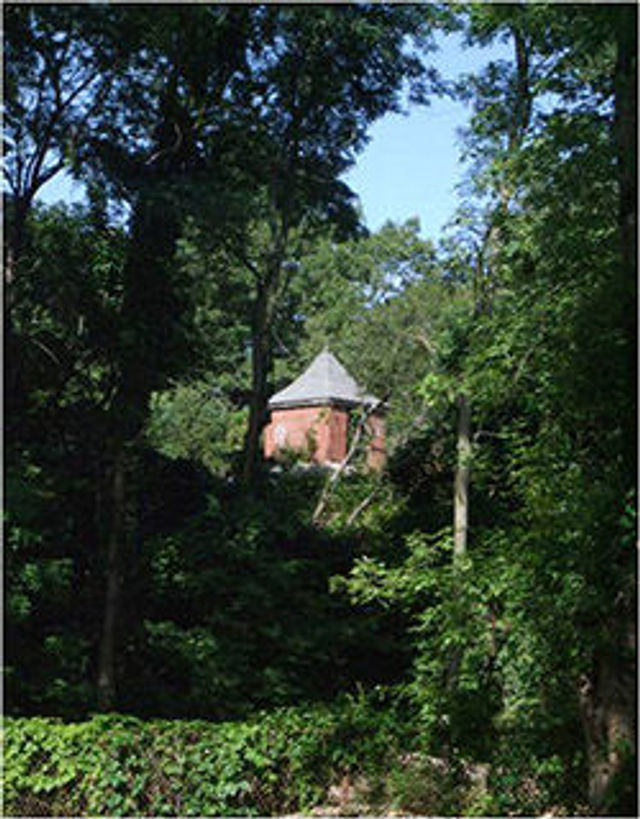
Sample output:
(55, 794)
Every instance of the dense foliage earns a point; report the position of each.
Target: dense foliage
(281, 761)
(453, 635)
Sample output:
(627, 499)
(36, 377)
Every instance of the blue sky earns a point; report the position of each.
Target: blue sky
(410, 166)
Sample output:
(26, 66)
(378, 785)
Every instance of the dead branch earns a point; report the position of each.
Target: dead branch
(362, 506)
(335, 476)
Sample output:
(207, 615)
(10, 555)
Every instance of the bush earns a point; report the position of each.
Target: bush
(277, 762)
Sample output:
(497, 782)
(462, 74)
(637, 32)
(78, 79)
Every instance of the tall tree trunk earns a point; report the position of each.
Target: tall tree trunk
(607, 707)
(264, 311)
(608, 694)
(13, 249)
(626, 134)
(15, 243)
(519, 120)
(150, 320)
(460, 532)
(521, 114)
(461, 479)
(260, 354)
(115, 537)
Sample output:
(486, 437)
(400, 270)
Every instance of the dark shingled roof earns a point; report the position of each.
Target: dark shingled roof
(325, 381)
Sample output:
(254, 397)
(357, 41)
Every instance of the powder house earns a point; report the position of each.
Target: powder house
(311, 416)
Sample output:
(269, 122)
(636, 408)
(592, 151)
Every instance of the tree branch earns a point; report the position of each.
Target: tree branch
(335, 476)
(362, 506)
(33, 176)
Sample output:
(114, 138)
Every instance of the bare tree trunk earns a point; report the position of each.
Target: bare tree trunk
(106, 669)
(460, 532)
(461, 479)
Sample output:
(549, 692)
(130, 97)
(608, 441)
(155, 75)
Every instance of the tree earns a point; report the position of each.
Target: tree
(584, 88)
(329, 74)
(225, 94)
(529, 612)
(375, 301)
(136, 154)
(59, 69)
(226, 148)
(151, 341)
(62, 319)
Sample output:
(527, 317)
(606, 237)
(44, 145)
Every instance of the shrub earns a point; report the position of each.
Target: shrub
(277, 762)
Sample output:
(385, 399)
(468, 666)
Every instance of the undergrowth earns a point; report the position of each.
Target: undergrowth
(277, 762)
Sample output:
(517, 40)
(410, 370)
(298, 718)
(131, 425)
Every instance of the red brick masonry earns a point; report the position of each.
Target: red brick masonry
(321, 432)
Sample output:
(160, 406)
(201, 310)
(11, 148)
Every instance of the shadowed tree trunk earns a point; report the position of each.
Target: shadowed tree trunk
(260, 362)
(608, 693)
(626, 134)
(607, 708)
(149, 347)
(115, 537)
(268, 290)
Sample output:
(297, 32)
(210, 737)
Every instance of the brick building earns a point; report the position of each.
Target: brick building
(311, 415)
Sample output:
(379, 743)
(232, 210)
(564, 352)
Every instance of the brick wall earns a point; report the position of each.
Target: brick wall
(321, 433)
(318, 431)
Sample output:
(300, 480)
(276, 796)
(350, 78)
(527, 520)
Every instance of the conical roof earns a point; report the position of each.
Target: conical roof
(325, 381)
